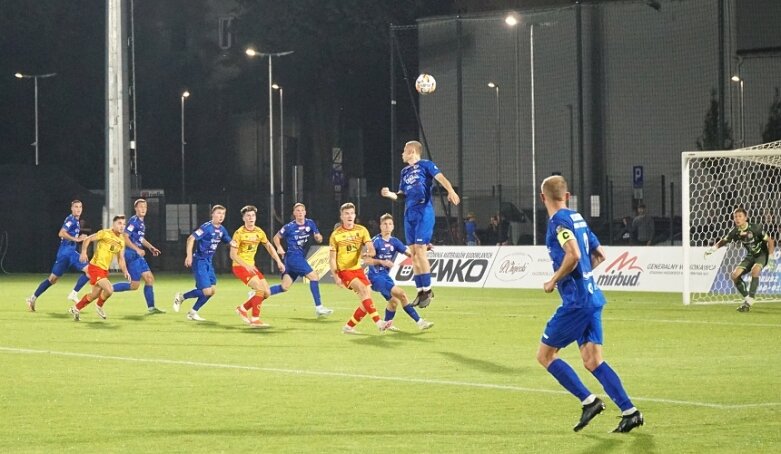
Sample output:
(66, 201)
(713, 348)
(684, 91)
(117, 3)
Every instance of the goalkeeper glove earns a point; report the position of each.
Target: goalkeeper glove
(709, 251)
(771, 264)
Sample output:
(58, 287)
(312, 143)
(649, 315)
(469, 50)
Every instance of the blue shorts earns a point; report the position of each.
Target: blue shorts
(382, 283)
(136, 266)
(419, 225)
(203, 271)
(296, 266)
(570, 324)
(65, 260)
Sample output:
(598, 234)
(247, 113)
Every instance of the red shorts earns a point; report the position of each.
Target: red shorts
(96, 273)
(347, 276)
(245, 276)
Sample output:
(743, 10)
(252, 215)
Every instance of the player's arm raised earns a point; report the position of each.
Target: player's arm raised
(386, 192)
(451, 193)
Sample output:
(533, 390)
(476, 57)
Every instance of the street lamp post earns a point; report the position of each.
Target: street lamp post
(534, 134)
(739, 80)
(35, 78)
(513, 21)
(498, 141)
(253, 53)
(281, 146)
(185, 95)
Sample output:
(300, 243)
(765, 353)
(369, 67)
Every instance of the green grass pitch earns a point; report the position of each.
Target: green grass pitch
(706, 377)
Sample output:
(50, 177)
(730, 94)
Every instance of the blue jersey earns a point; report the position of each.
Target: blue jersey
(136, 229)
(295, 236)
(72, 226)
(416, 182)
(578, 288)
(470, 229)
(207, 238)
(385, 250)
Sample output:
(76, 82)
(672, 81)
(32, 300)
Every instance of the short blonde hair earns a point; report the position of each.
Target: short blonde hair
(386, 216)
(346, 206)
(417, 146)
(218, 207)
(554, 187)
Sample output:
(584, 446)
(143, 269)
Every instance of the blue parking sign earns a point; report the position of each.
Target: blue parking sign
(637, 176)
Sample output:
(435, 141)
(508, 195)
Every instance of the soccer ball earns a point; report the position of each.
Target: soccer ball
(425, 84)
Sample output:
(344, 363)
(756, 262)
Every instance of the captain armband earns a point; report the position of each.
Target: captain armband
(564, 235)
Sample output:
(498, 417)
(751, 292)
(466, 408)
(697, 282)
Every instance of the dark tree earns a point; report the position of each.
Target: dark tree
(772, 131)
(710, 140)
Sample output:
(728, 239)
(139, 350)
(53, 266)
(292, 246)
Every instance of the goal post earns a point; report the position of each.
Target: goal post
(713, 185)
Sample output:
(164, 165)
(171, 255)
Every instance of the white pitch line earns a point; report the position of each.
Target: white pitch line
(366, 376)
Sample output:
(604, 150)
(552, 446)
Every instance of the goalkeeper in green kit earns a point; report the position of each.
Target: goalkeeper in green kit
(760, 249)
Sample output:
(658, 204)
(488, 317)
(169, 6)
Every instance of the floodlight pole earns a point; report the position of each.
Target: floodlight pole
(270, 55)
(185, 95)
(35, 78)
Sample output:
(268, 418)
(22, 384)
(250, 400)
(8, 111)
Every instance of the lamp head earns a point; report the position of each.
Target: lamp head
(19, 75)
(186, 94)
(251, 52)
(511, 20)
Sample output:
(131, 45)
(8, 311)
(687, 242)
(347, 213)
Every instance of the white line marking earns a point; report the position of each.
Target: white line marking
(370, 377)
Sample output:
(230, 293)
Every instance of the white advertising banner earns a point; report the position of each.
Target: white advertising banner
(650, 269)
(451, 266)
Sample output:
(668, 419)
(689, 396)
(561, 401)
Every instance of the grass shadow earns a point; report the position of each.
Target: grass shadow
(632, 442)
(481, 364)
(314, 320)
(59, 315)
(97, 324)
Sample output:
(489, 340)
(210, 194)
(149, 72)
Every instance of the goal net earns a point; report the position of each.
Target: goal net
(714, 184)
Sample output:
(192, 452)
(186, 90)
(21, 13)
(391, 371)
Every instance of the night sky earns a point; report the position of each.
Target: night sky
(341, 61)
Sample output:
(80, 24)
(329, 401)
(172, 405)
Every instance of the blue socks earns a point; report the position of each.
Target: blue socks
(612, 384)
(425, 281)
(418, 283)
(389, 314)
(567, 377)
(276, 289)
(81, 282)
(314, 287)
(149, 295)
(200, 302)
(42, 287)
(194, 293)
(412, 313)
